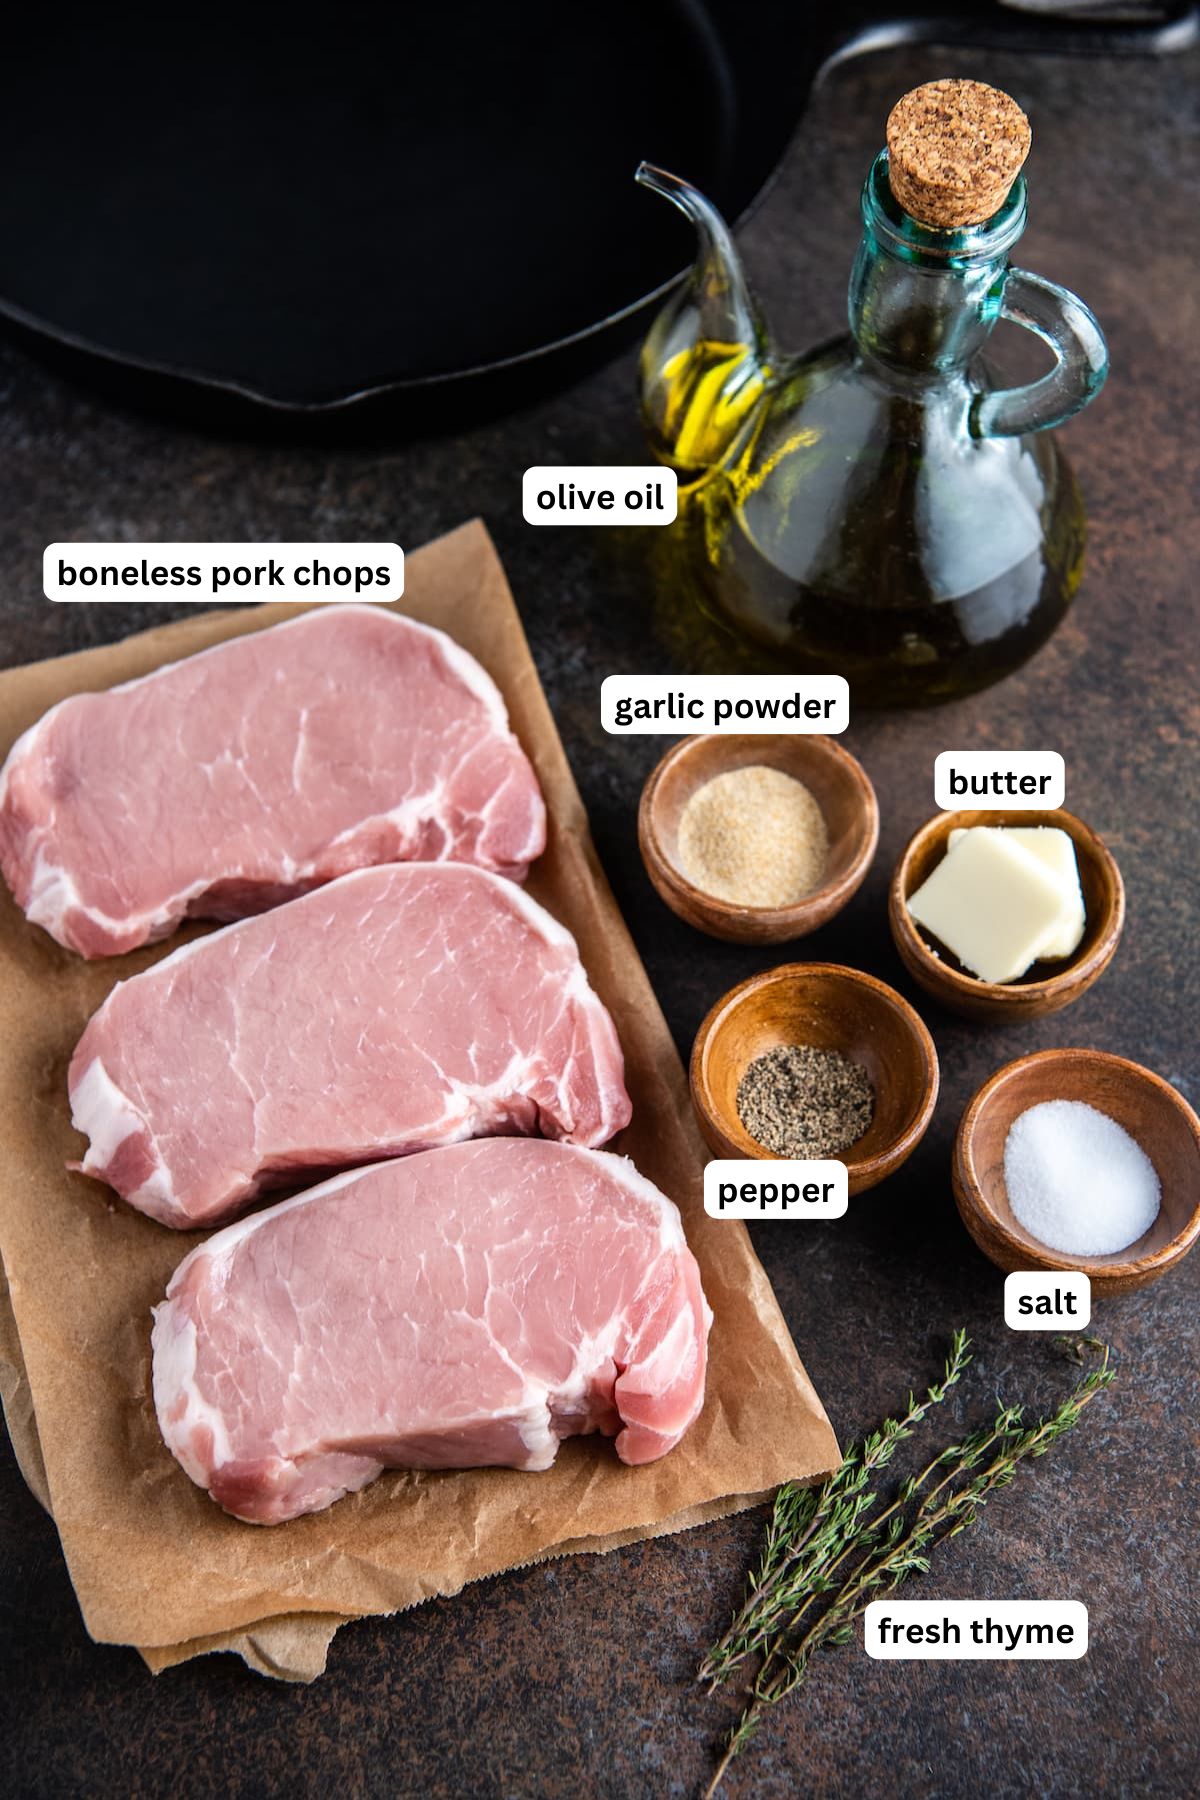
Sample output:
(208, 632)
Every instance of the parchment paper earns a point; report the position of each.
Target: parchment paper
(154, 1562)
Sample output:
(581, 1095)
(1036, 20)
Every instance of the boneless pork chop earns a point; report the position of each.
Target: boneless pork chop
(467, 1306)
(397, 1008)
(240, 777)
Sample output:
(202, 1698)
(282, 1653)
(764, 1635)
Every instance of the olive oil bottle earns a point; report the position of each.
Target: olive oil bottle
(876, 508)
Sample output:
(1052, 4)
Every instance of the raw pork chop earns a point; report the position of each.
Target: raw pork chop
(394, 1009)
(243, 776)
(469, 1306)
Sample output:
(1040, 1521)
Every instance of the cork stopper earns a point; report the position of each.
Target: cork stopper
(954, 150)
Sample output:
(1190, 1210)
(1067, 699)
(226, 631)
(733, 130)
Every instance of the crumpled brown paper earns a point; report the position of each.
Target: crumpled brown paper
(154, 1562)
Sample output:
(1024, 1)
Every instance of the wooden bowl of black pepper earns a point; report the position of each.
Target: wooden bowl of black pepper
(825, 1008)
(845, 814)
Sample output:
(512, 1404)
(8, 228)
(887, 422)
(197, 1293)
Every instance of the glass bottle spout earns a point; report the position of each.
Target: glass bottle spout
(704, 366)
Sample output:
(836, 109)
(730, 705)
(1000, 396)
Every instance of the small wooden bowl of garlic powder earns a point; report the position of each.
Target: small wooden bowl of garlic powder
(757, 838)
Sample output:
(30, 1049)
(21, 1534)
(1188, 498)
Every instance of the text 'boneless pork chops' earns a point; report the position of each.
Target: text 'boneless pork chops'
(245, 775)
(467, 1307)
(395, 1009)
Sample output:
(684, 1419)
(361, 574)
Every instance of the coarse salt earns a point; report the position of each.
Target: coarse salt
(1077, 1181)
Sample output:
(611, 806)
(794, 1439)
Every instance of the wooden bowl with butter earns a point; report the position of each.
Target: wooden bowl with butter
(1046, 986)
(837, 782)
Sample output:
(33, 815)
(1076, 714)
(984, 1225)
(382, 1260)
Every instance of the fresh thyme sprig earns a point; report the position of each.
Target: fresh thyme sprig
(807, 1546)
(811, 1526)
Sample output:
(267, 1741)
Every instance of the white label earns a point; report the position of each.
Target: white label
(226, 572)
(672, 705)
(976, 1630)
(599, 495)
(1029, 780)
(784, 1188)
(1036, 1301)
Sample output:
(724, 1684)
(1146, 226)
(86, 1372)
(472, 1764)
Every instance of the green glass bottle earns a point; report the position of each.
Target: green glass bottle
(876, 508)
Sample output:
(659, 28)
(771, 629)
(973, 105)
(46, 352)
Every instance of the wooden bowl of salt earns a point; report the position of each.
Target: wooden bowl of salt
(1141, 1103)
(751, 859)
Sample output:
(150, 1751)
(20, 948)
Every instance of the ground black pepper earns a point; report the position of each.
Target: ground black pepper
(799, 1101)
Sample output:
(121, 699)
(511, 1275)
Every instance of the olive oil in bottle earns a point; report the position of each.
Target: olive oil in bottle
(876, 508)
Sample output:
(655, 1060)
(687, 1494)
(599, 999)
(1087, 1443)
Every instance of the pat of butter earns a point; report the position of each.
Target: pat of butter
(1054, 848)
(991, 902)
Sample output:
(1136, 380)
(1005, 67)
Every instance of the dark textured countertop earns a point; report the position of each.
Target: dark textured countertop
(575, 1678)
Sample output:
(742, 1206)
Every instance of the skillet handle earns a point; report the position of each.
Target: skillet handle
(1086, 28)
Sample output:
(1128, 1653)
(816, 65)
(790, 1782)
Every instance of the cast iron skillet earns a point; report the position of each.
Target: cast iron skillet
(307, 208)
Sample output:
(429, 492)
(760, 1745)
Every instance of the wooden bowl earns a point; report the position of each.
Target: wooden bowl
(1146, 1106)
(838, 783)
(1048, 985)
(831, 1008)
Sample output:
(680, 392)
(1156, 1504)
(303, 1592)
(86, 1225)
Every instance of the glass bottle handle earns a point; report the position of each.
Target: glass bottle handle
(1061, 320)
